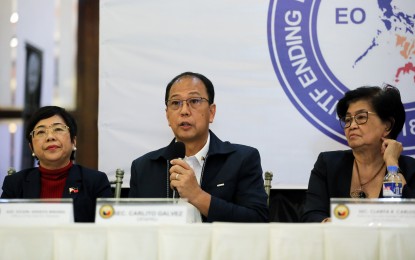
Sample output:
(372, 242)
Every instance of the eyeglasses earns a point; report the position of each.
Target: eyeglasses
(360, 119)
(57, 129)
(194, 102)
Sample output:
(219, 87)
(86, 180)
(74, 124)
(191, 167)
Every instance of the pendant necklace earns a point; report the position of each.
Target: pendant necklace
(359, 193)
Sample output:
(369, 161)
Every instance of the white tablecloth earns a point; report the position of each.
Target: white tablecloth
(207, 241)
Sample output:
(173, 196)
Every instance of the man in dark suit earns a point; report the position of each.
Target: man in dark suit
(223, 181)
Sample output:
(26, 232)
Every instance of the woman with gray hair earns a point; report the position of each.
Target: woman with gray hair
(372, 118)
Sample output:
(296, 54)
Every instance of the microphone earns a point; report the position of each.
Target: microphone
(178, 150)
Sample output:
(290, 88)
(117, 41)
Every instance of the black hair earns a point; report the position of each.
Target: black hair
(386, 101)
(208, 85)
(49, 111)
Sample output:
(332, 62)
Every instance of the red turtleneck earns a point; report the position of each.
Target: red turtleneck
(52, 182)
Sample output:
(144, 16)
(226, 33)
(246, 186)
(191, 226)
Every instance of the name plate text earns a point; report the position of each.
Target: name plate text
(130, 211)
(373, 211)
(36, 211)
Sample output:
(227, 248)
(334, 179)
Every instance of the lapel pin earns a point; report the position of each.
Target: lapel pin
(73, 190)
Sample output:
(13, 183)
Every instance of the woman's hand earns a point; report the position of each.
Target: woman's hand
(391, 150)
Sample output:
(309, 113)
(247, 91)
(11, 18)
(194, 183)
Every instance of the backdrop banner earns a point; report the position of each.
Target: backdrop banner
(278, 67)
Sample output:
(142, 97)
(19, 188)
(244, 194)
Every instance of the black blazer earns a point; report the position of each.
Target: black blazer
(331, 178)
(91, 185)
(232, 174)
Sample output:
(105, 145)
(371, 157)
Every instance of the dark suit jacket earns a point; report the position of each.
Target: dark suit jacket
(91, 184)
(242, 196)
(331, 178)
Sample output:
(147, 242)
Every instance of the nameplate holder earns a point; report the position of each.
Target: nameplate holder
(377, 212)
(132, 211)
(36, 211)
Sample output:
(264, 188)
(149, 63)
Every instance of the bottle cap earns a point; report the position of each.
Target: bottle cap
(393, 168)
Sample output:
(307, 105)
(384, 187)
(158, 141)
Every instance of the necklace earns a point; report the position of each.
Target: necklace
(359, 193)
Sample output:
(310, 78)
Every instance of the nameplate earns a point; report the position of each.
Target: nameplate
(131, 211)
(36, 211)
(373, 211)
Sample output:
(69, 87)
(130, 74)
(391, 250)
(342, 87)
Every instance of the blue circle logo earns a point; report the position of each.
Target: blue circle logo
(321, 49)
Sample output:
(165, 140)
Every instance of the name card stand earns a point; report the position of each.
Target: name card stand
(36, 211)
(134, 210)
(380, 212)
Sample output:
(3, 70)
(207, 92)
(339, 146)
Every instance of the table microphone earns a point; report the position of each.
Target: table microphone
(178, 150)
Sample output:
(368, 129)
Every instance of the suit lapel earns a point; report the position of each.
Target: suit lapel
(345, 175)
(31, 185)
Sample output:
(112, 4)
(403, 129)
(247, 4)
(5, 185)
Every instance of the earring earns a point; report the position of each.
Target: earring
(74, 148)
(33, 154)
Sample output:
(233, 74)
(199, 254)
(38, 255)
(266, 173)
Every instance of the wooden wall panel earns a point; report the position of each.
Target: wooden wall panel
(87, 89)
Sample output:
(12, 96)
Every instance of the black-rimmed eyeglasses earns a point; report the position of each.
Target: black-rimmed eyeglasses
(194, 102)
(360, 119)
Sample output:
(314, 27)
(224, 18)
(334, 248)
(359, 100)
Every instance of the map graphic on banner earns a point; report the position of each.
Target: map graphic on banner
(371, 43)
